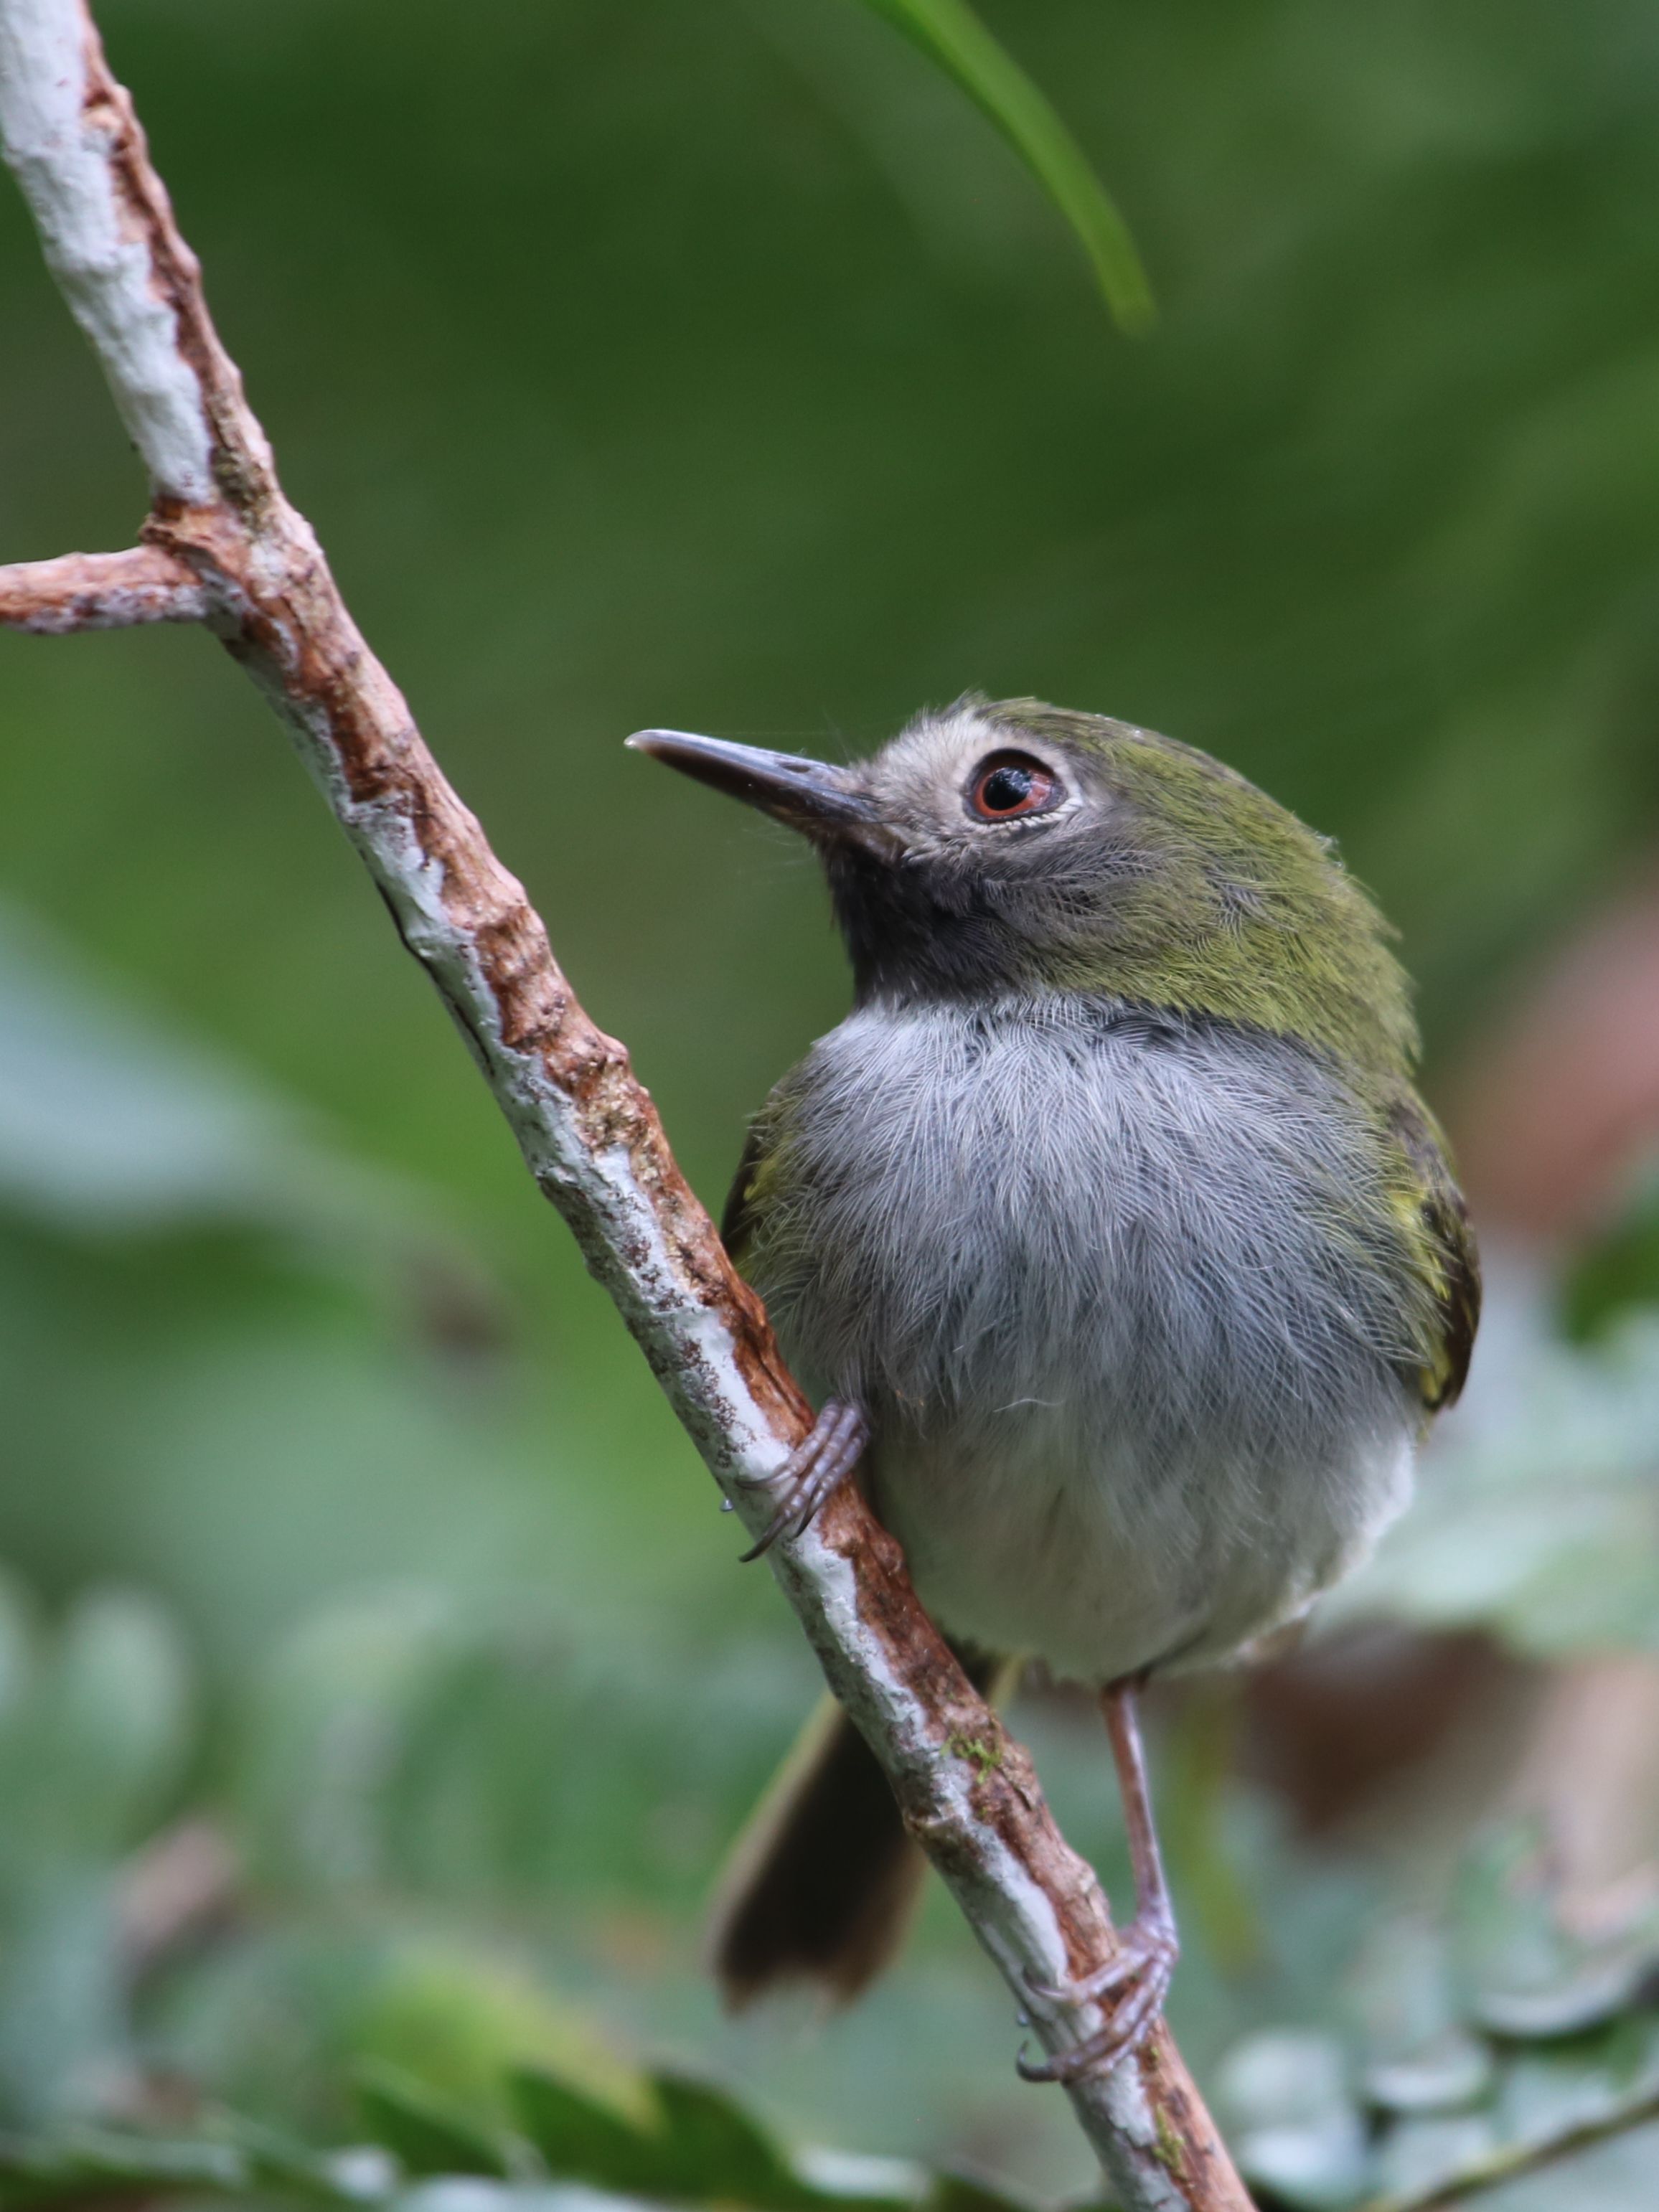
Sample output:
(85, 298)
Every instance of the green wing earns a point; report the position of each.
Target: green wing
(746, 1200)
(1436, 1221)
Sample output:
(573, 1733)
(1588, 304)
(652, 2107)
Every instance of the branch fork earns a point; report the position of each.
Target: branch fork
(223, 548)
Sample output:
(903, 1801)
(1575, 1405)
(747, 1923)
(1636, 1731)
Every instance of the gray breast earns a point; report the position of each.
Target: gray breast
(1123, 1297)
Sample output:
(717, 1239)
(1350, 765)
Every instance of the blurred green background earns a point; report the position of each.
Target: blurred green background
(718, 366)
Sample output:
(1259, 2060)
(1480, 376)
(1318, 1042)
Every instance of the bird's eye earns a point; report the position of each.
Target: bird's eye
(1007, 785)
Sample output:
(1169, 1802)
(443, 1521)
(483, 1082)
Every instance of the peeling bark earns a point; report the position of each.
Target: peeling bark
(223, 546)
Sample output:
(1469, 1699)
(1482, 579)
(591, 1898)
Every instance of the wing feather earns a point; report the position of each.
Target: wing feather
(746, 1198)
(1440, 1228)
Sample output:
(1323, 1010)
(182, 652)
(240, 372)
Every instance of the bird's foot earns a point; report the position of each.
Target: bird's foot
(812, 1471)
(1138, 1975)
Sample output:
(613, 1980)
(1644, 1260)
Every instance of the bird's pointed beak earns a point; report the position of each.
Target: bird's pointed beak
(811, 796)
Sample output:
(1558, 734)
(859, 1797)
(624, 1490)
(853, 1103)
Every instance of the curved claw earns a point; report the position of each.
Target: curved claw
(1147, 1957)
(812, 1471)
(1120, 2040)
(1121, 2037)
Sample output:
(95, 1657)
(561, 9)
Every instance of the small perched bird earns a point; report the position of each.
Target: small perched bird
(1109, 1235)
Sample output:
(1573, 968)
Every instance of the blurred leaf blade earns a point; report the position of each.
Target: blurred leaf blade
(718, 2151)
(950, 34)
(51, 2171)
(422, 2131)
(705, 2149)
(580, 2139)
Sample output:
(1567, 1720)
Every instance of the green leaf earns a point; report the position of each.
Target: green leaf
(950, 34)
(1427, 2152)
(707, 2149)
(115, 1701)
(239, 2159)
(281, 2166)
(1615, 1270)
(1538, 1520)
(582, 2140)
(1589, 1999)
(958, 2191)
(110, 1121)
(1448, 2075)
(89, 2165)
(716, 2150)
(1293, 2122)
(428, 2135)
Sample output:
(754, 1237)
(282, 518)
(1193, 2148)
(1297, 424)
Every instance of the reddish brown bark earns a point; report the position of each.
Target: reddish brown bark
(101, 591)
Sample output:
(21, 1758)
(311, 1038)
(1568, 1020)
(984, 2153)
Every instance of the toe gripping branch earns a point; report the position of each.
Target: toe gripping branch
(1139, 1978)
(812, 1471)
(1138, 1975)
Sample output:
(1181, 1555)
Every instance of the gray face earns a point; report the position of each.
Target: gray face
(965, 857)
(960, 792)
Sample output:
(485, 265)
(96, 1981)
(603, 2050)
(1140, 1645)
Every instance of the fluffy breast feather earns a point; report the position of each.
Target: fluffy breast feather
(1130, 1304)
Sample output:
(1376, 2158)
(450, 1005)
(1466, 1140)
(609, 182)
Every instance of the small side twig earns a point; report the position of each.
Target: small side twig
(220, 526)
(101, 590)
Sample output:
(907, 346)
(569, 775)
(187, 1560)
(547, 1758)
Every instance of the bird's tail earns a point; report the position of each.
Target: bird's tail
(821, 1885)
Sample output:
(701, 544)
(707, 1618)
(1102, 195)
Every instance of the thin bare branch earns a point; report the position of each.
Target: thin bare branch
(587, 1128)
(101, 590)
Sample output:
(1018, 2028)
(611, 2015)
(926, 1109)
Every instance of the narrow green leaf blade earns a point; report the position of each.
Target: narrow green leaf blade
(581, 2140)
(950, 34)
(421, 2129)
(719, 2154)
(88, 2166)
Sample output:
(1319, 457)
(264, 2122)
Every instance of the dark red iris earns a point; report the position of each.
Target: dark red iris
(1007, 785)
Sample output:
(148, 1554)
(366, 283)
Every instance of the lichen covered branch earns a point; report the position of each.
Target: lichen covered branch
(223, 545)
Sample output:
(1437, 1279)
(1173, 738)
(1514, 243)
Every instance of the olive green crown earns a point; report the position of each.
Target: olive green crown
(1221, 902)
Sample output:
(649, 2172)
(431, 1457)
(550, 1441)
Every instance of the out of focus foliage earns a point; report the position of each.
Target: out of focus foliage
(432, 1813)
(1618, 1271)
(1541, 1520)
(378, 1690)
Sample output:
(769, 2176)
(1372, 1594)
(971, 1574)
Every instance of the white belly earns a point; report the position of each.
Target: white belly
(1025, 1545)
(1119, 1298)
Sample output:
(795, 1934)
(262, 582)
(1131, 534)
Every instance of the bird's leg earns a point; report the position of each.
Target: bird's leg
(813, 1470)
(1148, 1946)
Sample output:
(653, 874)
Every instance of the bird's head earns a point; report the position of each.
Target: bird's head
(1010, 849)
